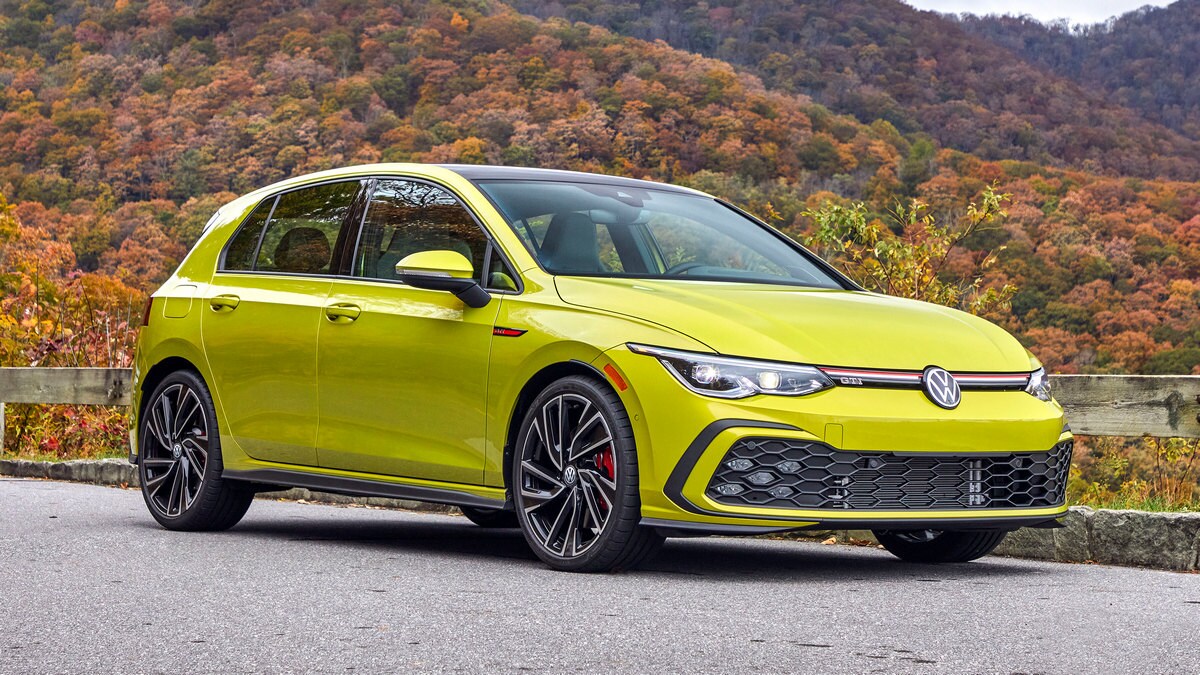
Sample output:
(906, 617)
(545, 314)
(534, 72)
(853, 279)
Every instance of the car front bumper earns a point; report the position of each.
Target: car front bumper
(941, 469)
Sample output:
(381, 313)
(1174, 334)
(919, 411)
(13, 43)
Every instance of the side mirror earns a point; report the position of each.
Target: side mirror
(443, 271)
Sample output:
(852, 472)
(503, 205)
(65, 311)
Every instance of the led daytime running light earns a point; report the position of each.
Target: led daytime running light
(727, 377)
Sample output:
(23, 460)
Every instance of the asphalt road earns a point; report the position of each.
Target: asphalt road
(91, 584)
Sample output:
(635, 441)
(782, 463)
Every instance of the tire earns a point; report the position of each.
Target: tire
(497, 518)
(173, 457)
(579, 510)
(936, 546)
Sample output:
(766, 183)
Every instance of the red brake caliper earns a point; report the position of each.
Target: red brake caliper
(604, 462)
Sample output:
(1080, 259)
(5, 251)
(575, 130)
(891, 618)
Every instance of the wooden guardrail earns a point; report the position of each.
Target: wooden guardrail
(81, 386)
(1167, 406)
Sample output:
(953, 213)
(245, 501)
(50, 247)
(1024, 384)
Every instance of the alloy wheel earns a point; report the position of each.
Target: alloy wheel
(567, 475)
(175, 454)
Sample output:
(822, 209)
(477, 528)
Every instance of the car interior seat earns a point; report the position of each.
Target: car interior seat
(571, 245)
(303, 249)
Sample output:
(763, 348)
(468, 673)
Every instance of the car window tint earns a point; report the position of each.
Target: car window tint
(685, 242)
(610, 258)
(597, 229)
(304, 228)
(533, 230)
(240, 254)
(406, 217)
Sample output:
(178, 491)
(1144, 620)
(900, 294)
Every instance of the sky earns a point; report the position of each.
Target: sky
(1077, 11)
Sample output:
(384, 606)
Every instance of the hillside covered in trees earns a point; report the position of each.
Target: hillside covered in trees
(920, 71)
(1147, 60)
(124, 124)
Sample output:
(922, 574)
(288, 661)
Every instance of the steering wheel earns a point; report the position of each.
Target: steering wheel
(684, 267)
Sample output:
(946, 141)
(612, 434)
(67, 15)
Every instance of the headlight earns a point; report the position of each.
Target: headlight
(725, 377)
(1039, 385)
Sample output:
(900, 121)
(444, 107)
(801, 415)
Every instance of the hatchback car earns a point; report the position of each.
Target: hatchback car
(600, 361)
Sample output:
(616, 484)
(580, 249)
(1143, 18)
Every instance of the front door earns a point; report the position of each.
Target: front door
(261, 316)
(402, 372)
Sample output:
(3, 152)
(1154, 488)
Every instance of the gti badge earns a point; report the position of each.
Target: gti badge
(941, 387)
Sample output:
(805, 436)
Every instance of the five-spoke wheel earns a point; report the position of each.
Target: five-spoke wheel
(180, 459)
(175, 453)
(574, 480)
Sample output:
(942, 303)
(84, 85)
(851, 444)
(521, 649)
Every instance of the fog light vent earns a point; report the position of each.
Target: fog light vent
(788, 466)
(762, 478)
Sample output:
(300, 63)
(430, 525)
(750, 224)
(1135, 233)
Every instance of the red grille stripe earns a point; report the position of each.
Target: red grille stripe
(840, 372)
(884, 377)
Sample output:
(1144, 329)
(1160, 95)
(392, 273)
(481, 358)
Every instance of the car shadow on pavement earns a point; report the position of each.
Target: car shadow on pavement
(726, 558)
(790, 561)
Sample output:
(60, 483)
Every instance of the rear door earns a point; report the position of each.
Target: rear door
(261, 317)
(402, 371)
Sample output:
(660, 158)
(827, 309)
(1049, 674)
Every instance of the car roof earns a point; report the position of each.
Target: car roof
(483, 172)
(472, 172)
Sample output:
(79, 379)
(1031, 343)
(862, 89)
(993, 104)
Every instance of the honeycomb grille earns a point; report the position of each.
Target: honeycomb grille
(786, 474)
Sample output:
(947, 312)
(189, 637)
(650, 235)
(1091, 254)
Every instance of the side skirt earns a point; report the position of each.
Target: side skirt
(360, 487)
(680, 528)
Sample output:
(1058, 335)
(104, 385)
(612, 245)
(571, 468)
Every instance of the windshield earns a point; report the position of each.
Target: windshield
(585, 229)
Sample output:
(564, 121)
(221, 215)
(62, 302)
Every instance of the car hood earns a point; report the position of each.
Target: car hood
(816, 326)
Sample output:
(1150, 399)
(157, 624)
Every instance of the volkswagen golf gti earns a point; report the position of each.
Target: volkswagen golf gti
(600, 361)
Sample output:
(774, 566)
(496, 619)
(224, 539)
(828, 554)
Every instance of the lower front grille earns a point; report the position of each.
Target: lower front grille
(781, 473)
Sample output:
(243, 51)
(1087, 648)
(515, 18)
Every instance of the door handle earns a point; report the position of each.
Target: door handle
(342, 312)
(224, 303)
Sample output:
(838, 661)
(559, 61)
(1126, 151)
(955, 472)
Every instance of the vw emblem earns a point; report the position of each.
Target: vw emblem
(569, 475)
(941, 387)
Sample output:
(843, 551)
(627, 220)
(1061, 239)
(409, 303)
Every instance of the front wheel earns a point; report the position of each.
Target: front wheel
(937, 546)
(575, 480)
(180, 459)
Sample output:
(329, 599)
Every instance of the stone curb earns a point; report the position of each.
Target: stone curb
(1169, 541)
(120, 473)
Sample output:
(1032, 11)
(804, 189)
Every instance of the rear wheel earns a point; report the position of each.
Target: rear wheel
(490, 517)
(937, 546)
(575, 480)
(179, 461)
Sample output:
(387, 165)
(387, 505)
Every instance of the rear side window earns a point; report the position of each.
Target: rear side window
(301, 230)
(304, 228)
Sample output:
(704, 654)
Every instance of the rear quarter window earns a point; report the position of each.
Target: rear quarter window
(239, 256)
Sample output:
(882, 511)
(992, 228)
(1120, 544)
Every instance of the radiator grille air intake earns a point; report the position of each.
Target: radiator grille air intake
(782, 473)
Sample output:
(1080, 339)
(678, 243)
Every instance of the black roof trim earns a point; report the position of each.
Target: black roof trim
(477, 172)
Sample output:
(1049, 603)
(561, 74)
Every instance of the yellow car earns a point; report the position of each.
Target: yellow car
(600, 361)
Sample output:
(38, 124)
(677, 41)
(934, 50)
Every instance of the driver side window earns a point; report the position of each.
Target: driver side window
(406, 217)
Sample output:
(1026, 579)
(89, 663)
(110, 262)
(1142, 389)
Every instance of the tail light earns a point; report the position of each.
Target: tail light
(146, 311)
